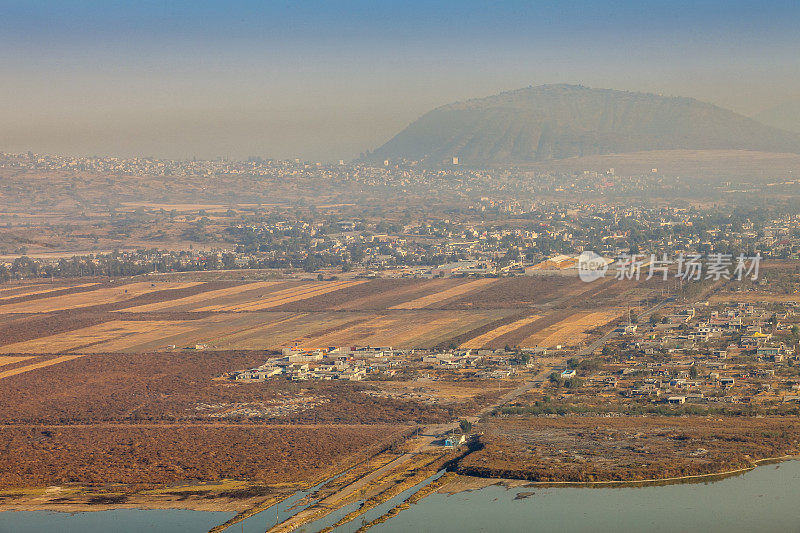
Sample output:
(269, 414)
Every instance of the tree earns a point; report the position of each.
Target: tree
(466, 426)
(228, 261)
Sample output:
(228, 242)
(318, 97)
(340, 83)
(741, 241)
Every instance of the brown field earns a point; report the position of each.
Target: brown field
(22, 287)
(445, 390)
(377, 294)
(550, 292)
(37, 366)
(113, 404)
(404, 329)
(438, 297)
(302, 292)
(481, 340)
(201, 298)
(384, 294)
(405, 313)
(9, 360)
(104, 295)
(571, 331)
(114, 335)
(35, 290)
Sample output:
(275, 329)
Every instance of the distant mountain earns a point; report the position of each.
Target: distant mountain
(785, 116)
(560, 121)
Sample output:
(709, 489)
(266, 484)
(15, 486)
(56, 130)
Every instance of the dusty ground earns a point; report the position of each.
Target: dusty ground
(585, 449)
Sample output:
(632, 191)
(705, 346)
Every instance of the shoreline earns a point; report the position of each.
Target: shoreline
(486, 481)
(463, 483)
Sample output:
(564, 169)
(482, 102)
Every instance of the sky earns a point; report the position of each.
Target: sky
(328, 80)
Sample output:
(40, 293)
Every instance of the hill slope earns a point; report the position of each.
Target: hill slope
(560, 121)
(785, 116)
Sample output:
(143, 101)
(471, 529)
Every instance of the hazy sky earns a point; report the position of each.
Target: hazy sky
(327, 80)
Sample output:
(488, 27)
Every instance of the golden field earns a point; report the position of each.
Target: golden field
(137, 316)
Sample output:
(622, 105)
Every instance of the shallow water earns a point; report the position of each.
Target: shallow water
(765, 499)
(260, 522)
(118, 521)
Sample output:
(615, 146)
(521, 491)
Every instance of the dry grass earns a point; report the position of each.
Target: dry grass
(13, 289)
(274, 314)
(754, 297)
(588, 449)
(445, 390)
(409, 329)
(285, 296)
(100, 296)
(36, 366)
(153, 456)
(570, 331)
(115, 335)
(264, 330)
(202, 297)
(482, 340)
(10, 360)
(441, 296)
(388, 297)
(261, 330)
(36, 290)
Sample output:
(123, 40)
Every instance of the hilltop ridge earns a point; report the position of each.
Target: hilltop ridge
(560, 121)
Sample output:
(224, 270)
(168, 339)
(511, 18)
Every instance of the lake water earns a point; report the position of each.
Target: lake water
(766, 499)
(117, 521)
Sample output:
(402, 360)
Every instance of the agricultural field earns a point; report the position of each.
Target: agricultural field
(486, 339)
(9, 360)
(100, 377)
(136, 316)
(38, 289)
(77, 300)
(572, 330)
(36, 365)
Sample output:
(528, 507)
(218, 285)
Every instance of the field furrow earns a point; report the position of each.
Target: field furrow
(482, 340)
(447, 294)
